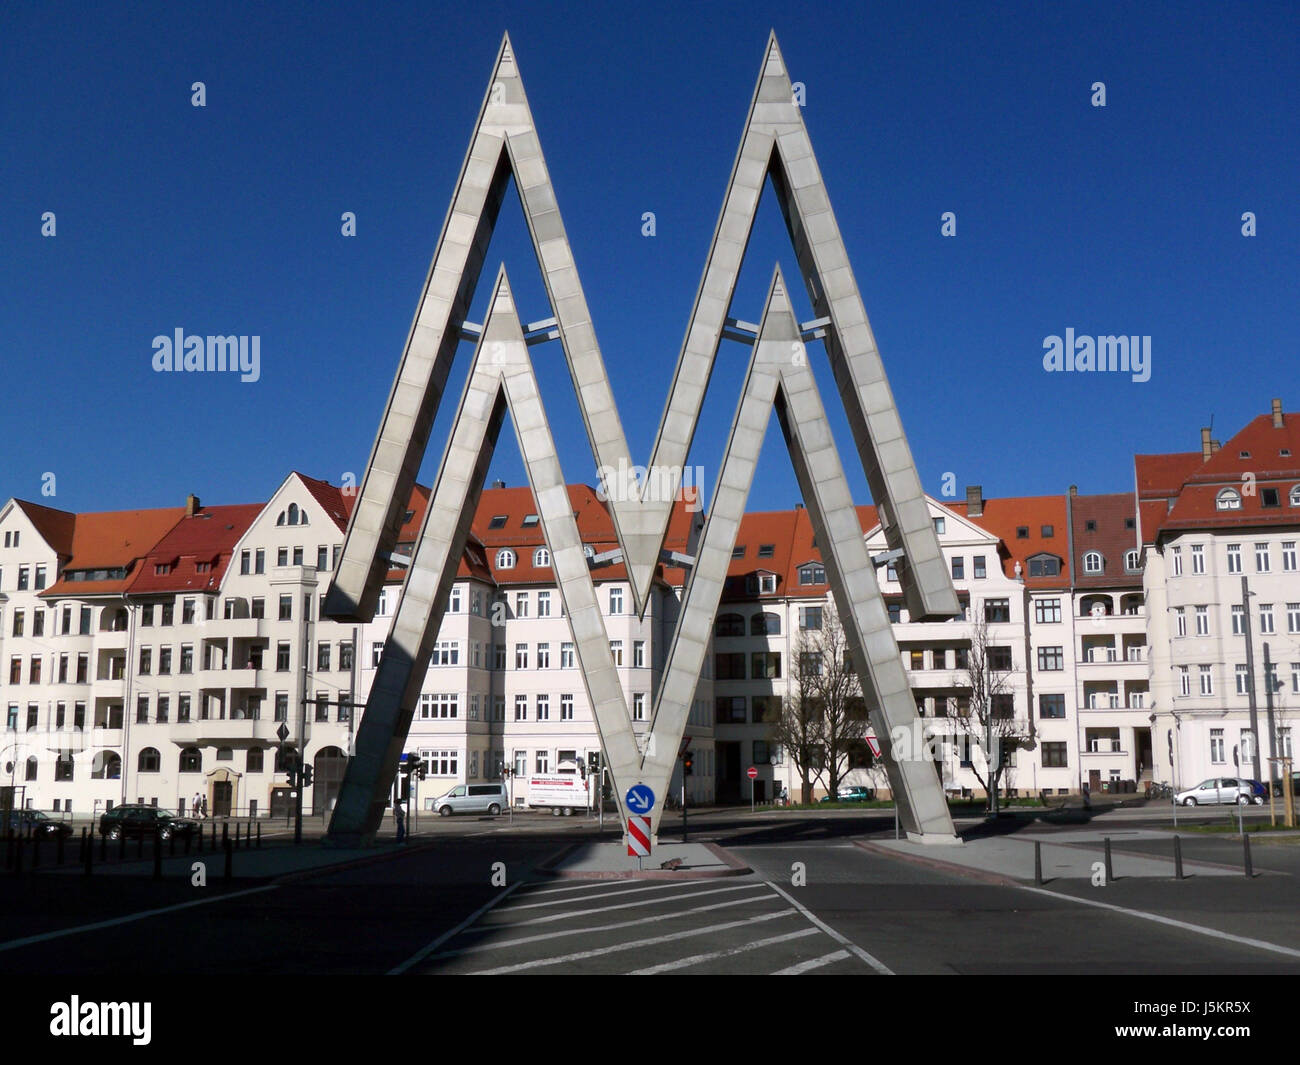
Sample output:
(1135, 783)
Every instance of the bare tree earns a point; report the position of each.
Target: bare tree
(986, 718)
(823, 724)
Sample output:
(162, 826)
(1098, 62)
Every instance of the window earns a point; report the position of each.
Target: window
(566, 655)
(63, 768)
(765, 665)
(1054, 756)
(376, 653)
(1090, 526)
(441, 763)
(286, 608)
(345, 654)
(958, 568)
(439, 706)
(446, 653)
(281, 706)
(1051, 706)
(521, 604)
(916, 660)
(1228, 499)
(1216, 746)
(543, 656)
(1261, 558)
(812, 573)
(541, 558)
(638, 654)
(1176, 561)
(24, 578)
(1000, 659)
(616, 600)
(1207, 680)
(83, 669)
(895, 610)
(499, 656)
(187, 658)
(996, 610)
(259, 560)
(282, 556)
(165, 705)
(543, 604)
(521, 656)
(1238, 621)
(521, 708)
(1266, 619)
(730, 709)
(1022, 532)
(1047, 531)
(729, 625)
(765, 624)
(1243, 680)
(1234, 558)
(1092, 562)
(191, 760)
(729, 666)
(638, 706)
(1044, 566)
(1180, 621)
(1184, 680)
(616, 650)
(979, 567)
(1047, 611)
(1132, 560)
(505, 559)
(1293, 617)
(1288, 556)
(810, 664)
(1202, 621)
(253, 762)
(322, 657)
(146, 661)
(766, 550)
(1051, 658)
(566, 707)
(810, 617)
(19, 628)
(282, 656)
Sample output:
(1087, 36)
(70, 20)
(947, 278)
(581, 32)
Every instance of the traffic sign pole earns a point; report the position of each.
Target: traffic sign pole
(752, 773)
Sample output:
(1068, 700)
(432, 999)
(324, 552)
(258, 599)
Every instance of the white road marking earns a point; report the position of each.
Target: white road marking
(13, 944)
(848, 944)
(481, 948)
(698, 959)
(424, 952)
(587, 885)
(812, 963)
(606, 909)
(599, 951)
(588, 898)
(1172, 922)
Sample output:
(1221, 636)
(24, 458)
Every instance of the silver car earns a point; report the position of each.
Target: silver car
(472, 799)
(1219, 790)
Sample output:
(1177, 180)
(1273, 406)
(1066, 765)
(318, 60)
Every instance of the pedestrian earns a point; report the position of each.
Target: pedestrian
(1087, 798)
(785, 795)
(205, 806)
(400, 815)
(198, 809)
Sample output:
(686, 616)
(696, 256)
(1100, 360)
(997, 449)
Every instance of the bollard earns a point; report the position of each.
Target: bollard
(58, 849)
(1178, 858)
(237, 835)
(121, 845)
(1110, 869)
(36, 849)
(87, 850)
(230, 860)
(1250, 872)
(1038, 863)
(157, 854)
(259, 835)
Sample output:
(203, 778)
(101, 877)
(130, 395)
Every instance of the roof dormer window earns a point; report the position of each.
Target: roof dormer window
(1228, 499)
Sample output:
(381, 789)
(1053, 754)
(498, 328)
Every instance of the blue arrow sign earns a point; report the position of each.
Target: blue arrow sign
(640, 799)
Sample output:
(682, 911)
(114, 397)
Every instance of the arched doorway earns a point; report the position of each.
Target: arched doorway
(327, 778)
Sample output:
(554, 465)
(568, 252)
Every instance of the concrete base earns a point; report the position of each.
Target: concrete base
(610, 861)
(933, 839)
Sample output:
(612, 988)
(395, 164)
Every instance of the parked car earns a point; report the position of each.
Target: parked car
(131, 819)
(472, 799)
(1222, 789)
(37, 823)
(851, 795)
(1295, 785)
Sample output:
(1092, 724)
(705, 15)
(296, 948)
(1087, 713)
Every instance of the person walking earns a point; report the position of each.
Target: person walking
(400, 815)
(198, 807)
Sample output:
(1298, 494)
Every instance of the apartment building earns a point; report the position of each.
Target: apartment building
(1219, 530)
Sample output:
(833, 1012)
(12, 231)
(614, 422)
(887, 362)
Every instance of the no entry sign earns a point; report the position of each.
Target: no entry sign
(638, 837)
(752, 773)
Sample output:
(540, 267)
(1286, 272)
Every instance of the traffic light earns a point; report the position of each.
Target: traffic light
(306, 776)
(688, 761)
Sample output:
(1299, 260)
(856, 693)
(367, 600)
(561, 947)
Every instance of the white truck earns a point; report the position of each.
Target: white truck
(563, 791)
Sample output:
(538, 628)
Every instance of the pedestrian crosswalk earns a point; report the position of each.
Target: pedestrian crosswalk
(740, 925)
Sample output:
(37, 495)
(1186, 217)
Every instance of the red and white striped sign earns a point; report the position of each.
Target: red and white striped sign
(638, 836)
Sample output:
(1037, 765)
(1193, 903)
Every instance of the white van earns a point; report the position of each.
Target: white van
(472, 799)
(567, 789)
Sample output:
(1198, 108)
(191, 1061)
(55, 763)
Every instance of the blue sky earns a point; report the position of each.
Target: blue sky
(226, 219)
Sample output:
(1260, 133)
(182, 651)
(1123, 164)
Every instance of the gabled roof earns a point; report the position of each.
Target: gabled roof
(336, 504)
(206, 538)
(54, 526)
(112, 540)
(1111, 538)
(1003, 517)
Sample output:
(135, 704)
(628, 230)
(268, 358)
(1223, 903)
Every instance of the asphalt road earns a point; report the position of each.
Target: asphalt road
(464, 900)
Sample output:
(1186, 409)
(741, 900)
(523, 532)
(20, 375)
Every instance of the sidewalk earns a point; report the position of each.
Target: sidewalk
(1069, 856)
(609, 860)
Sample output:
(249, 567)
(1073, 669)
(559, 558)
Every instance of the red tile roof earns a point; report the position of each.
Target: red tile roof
(112, 540)
(207, 539)
(1003, 517)
(54, 526)
(1111, 538)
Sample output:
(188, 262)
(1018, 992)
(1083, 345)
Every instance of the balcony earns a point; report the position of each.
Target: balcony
(228, 732)
(233, 628)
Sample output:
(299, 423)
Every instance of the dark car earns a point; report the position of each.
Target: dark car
(851, 795)
(134, 820)
(1295, 785)
(37, 823)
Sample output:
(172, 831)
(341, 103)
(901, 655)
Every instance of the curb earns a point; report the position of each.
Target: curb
(351, 863)
(735, 867)
(935, 864)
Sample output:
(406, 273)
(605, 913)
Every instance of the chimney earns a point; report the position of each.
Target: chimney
(798, 506)
(1074, 490)
(974, 500)
(1277, 414)
(1207, 445)
(498, 483)
(192, 505)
